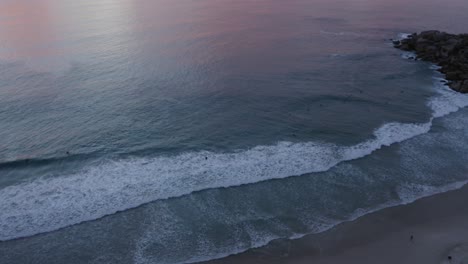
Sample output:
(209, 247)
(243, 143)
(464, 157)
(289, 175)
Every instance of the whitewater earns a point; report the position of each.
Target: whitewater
(48, 204)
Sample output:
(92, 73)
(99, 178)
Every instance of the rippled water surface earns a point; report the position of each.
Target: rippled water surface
(169, 131)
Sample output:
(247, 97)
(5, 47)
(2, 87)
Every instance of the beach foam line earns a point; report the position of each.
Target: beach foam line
(407, 194)
(48, 204)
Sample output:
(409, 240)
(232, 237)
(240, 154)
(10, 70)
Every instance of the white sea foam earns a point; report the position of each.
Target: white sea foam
(411, 192)
(48, 204)
(407, 193)
(408, 55)
(402, 36)
(448, 100)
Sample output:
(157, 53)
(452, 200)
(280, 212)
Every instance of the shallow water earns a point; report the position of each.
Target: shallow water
(169, 132)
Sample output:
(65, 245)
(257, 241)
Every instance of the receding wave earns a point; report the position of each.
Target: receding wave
(49, 204)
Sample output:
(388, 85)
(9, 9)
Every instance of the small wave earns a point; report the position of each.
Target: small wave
(346, 98)
(411, 192)
(48, 204)
(37, 162)
(344, 33)
(408, 55)
(19, 163)
(406, 193)
(402, 36)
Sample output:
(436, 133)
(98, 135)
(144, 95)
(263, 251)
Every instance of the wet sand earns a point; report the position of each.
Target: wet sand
(438, 225)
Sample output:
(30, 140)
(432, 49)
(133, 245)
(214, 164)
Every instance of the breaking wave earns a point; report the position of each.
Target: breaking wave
(48, 204)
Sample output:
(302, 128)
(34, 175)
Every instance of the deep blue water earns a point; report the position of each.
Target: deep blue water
(170, 131)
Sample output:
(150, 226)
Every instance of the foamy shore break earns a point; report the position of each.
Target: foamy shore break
(431, 230)
(449, 51)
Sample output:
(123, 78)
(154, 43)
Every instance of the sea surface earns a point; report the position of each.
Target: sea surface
(177, 131)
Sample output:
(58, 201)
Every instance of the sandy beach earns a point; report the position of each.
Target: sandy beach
(430, 230)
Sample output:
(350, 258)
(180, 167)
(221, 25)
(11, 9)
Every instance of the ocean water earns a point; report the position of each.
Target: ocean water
(182, 131)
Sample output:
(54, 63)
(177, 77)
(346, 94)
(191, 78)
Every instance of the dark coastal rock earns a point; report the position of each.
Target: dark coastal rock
(449, 51)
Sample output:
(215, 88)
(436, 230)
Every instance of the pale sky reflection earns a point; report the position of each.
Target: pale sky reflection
(51, 35)
(28, 34)
(46, 35)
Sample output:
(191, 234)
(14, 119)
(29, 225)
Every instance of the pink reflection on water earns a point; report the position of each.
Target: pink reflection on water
(28, 33)
(46, 32)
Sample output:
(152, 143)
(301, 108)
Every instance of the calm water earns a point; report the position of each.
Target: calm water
(169, 131)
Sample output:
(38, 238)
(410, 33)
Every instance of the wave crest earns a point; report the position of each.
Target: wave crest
(49, 204)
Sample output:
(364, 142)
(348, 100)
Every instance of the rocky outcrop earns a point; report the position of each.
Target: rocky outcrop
(449, 51)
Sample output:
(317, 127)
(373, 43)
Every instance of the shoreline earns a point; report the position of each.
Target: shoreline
(332, 245)
(428, 230)
(448, 51)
